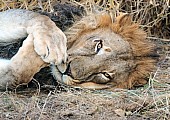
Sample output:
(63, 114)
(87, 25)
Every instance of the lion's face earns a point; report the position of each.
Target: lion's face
(105, 54)
(99, 57)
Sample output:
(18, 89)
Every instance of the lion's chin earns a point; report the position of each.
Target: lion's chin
(67, 80)
(78, 84)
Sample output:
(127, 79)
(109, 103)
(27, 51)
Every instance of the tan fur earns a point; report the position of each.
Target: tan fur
(18, 64)
(49, 40)
(22, 66)
(45, 44)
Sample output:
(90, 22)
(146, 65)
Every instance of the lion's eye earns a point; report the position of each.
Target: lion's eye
(107, 75)
(99, 45)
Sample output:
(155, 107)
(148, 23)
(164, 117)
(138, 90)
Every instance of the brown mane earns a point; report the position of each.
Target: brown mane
(143, 50)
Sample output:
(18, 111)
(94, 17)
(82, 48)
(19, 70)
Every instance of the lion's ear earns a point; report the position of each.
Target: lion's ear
(124, 19)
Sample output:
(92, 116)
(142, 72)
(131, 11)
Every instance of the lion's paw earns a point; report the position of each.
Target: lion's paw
(51, 46)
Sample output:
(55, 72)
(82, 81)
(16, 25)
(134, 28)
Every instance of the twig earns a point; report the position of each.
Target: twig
(49, 94)
(155, 38)
(36, 83)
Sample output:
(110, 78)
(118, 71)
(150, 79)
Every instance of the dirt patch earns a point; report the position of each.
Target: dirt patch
(70, 104)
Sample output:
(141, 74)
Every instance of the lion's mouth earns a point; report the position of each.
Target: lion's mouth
(67, 78)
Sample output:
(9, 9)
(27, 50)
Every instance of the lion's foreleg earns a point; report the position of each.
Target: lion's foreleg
(5, 73)
(22, 67)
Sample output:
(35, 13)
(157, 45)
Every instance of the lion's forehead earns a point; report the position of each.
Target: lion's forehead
(85, 42)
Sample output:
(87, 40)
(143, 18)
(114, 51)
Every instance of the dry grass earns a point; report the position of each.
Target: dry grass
(149, 102)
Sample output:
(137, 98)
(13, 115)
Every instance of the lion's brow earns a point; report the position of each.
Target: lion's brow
(91, 37)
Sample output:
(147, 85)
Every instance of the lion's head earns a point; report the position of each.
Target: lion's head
(106, 53)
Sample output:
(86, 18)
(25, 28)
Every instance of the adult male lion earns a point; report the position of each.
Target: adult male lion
(102, 53)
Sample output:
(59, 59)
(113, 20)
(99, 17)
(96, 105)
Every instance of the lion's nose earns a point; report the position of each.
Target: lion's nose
(62, 67)
(61, 64)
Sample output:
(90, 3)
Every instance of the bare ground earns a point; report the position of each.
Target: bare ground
(149, 102)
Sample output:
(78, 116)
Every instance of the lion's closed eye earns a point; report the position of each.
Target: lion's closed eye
(102, 77)
(107, 75)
